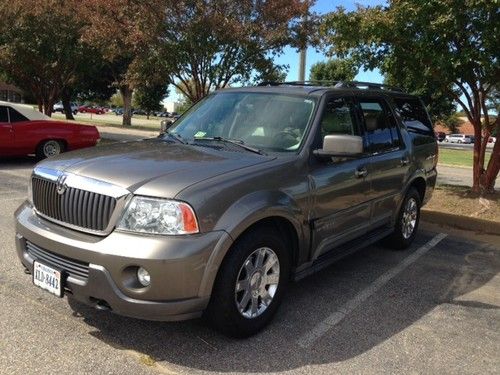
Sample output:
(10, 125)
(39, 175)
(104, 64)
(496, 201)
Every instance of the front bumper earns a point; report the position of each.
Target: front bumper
(182, 268)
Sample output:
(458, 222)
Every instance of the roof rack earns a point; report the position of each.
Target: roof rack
(336, 84)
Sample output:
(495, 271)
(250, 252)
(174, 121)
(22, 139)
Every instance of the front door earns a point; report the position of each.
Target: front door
(341, 207)
(6, 133)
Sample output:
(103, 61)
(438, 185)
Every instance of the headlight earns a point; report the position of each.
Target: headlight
(159, 216)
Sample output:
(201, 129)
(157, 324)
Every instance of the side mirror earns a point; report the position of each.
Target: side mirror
(341, 146)
(164, 125)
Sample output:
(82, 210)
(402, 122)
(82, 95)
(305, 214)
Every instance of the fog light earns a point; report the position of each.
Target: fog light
(143, 276)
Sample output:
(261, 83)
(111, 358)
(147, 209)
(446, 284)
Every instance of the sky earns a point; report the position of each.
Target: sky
(291, 56)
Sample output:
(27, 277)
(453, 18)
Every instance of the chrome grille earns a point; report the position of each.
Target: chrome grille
(76, 207)
(72, 267)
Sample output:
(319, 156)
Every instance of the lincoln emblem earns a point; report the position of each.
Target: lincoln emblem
(61, 184)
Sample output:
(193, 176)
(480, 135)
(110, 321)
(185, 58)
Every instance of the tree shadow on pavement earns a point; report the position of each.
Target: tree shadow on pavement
(451, 269)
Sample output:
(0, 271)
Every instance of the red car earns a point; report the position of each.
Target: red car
(89, 109)
(24, 131)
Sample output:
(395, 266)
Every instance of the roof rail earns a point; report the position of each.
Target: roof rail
(336, 84)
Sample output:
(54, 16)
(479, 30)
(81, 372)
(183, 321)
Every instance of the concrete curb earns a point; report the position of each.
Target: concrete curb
(461, 222)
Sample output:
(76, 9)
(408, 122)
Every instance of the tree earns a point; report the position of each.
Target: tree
(334, 70)
(40, 47)
(454, 43)
(452, 122)
(127, 33)
(221, 42)
(149, 97)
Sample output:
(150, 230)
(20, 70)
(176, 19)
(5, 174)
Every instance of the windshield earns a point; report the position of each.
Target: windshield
(265, 121)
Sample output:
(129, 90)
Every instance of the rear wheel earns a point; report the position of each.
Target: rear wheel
(250, 284)
(406, 226)
(49, 148)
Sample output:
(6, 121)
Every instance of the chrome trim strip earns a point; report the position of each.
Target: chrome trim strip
(82, 183)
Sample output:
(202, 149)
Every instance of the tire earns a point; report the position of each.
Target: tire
(49, 148)
(230, 311)
(406, 226)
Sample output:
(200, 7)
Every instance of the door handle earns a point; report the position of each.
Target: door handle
(361, 172)
(405, 161)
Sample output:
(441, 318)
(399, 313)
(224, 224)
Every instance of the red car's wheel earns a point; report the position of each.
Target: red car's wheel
(49, 148)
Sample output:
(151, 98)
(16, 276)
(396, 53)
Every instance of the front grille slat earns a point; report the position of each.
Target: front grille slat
(72, 267)
(77, 207)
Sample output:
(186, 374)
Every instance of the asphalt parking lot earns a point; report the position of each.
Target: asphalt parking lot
(434, 308)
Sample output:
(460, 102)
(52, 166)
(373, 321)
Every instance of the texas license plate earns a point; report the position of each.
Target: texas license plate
(47, 278)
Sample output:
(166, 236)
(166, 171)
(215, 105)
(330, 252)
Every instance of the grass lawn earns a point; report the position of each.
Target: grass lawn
(138, 122)
(462, 158)
(460, 200)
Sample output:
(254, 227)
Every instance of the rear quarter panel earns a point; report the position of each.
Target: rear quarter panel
(29, 134)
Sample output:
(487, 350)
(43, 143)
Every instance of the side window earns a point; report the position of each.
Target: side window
(16, 116)
(4, 117)
(414, 115)
(381, 128)
(339, 118)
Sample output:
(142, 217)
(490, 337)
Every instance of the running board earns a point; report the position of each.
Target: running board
(343, 250)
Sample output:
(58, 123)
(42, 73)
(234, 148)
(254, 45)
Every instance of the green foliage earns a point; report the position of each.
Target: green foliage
(452, 122)
(40, 48)
(450, 46)
(149, 97)
(334, 70)
(223, 42)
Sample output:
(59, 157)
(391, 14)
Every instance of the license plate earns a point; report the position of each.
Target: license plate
(47, 278)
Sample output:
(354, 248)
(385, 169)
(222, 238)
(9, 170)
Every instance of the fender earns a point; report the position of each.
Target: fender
(243, 214)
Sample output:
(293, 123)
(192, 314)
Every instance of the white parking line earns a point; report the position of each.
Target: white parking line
(306, 340)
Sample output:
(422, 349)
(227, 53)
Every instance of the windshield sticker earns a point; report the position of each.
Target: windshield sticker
(200, 134)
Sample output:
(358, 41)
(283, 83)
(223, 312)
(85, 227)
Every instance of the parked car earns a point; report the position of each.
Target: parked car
(492, 139)
(251, 188)
(91, 109)
(59, 107)
(458, 138)
(440, 136)
(24, 131)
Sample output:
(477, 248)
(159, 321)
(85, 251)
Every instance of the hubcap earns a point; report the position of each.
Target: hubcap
(409, 220)
(51, 148)
(257, 282)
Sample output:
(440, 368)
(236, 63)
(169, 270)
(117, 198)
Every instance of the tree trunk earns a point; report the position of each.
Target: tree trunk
(126, 92)
(494, 163)
(47, 108)
(66, 101)
(477, 167)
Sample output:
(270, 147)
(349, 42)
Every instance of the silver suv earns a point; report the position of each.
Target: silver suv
(248, 190)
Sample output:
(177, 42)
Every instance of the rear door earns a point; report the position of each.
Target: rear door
(6, 133)
(389, 158)
(26, 133)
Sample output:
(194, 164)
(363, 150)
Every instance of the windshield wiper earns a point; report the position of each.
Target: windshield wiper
(236, 142)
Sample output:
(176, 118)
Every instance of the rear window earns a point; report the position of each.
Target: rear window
(414, 115)
(16, 116)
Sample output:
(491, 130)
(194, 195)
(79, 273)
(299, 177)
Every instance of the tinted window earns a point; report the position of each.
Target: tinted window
(381, 130)
(414, 115)
(16, 116)
(3, 114)
(339, 118)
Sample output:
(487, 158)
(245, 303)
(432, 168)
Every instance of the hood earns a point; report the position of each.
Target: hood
(135, 165)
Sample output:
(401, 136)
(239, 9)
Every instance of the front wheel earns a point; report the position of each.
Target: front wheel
(407, 221)
(250, 284)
